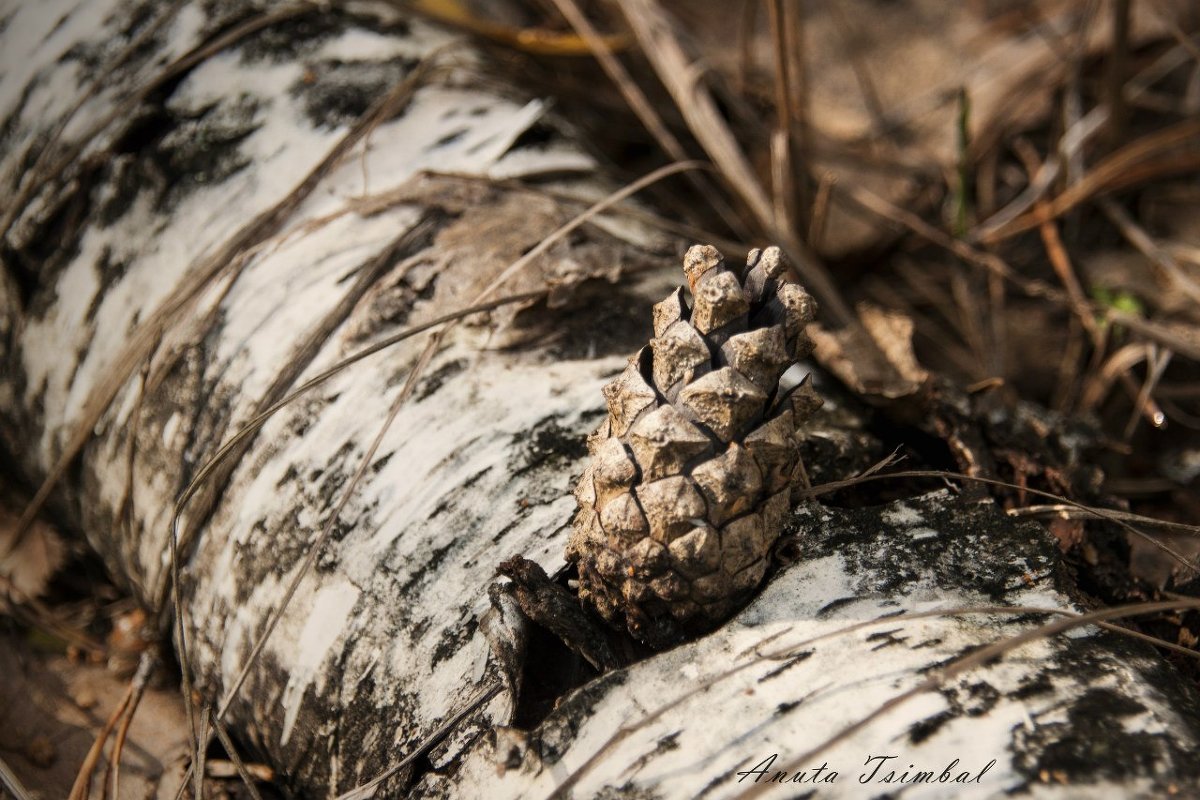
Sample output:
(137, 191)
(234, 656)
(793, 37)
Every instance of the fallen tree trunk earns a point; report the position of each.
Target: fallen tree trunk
(259, 210)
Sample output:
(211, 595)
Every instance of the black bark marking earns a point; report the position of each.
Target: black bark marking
(427, 571)
(448, 139)
(435, 379)
(929, 726)
(337, 93)
(292, 39)
(886, 639)
(973, 551)
(834, 605)
(799, 658)
(120, 28)
(455, 637)
(550, 446)
(110, 271)
(554, 735)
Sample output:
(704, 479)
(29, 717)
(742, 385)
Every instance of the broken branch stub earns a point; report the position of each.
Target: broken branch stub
(690, 472)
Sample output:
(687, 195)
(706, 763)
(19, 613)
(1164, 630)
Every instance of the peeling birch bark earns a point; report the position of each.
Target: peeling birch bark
(382, 641)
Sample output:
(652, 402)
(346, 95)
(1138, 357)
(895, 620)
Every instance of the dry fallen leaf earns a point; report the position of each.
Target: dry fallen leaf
(25, 570)
(888, 370)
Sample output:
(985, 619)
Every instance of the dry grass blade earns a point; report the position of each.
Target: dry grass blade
(794, 24)
(1137, 162)
(368, 789)
(372, 204)
(681, 77)
(536, 41)
(83, 780)
(833, 486)
(1064, 511)
(783, 181)
(1116, 65)
(231, 750)
(641, 106)
(1039, 184)
(145, 338)
(862, 73)
(1118, 364)
(12, 784)
(1155, 332)
(820, 209)
(976, 659)
(138, 687)
(796, 648)
(1055, 250)
(1139, 238)
(1167, 17)
(1143, 403)
(634, 96)
(989, 261)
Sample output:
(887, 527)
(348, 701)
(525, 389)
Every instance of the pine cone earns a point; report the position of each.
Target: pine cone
(690, 473)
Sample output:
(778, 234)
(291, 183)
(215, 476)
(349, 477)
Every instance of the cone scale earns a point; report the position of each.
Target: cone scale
(690, 473)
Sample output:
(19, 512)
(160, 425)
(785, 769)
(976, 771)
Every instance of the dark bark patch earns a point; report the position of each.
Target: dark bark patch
(1039, 684)
(449, 139)
(129, 20)
(962, 546)
(886, 639)
(553, 737)
(336, 93)
(929, 726)
(202, 148)
(1092, 743)
(1100, 738)
(436, 379)
(834, 605)
(291, 39)
(110, 271)
(455, 637)
(550, 446)
(601, 319)
(965, 700)
(173, 151)
(627, 791)
(428, 569)
(8, 132)
(53, 243)
(799, 658)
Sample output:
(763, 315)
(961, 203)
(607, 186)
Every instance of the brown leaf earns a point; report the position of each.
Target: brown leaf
(25, 570)
(1068, 532)
(874, 358)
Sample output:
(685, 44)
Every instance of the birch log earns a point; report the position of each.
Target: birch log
(205, 234)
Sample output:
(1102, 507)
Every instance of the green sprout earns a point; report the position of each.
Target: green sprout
(1121, 301)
